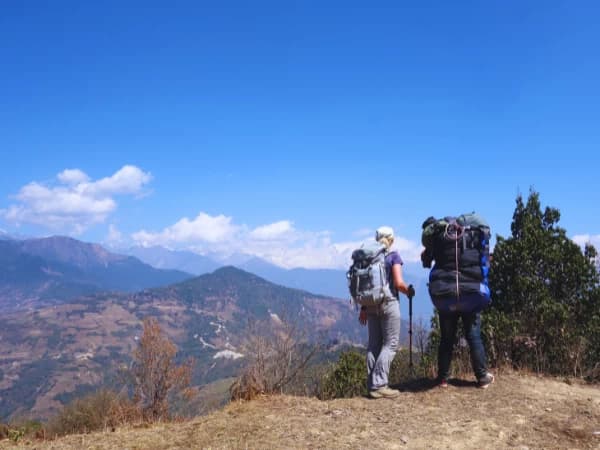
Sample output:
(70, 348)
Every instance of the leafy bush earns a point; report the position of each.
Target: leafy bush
(346, 378)
(15, 434)
(99, 411)
(400, 370)
(21, 428)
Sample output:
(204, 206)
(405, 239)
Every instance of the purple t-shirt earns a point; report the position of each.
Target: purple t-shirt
(391, 259)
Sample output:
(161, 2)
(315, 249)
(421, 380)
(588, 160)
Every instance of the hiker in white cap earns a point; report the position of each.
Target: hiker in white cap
(384, 321)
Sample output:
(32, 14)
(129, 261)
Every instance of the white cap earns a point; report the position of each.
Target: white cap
(387, 232)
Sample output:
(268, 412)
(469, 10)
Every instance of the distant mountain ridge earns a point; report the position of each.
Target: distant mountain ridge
(48, 270)
(208, 317)
(163, 258)
(70, 251)
(35, 272)
(328, 282)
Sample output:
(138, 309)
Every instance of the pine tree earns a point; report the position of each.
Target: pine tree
(545, 313)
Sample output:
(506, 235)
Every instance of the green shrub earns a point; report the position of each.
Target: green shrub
(99, 411)
(14, 434)
(400, 370)
(346, 378)
(21, 428)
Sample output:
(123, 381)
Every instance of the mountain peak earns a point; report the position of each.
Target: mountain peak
(230, 274)
(69, 250)
(231, 270)
(59, 268)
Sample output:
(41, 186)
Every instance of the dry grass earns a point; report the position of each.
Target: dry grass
(515, 412)
(102, 410)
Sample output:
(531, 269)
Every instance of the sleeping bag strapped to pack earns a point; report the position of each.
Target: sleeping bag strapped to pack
(460, 248)
(367, 278)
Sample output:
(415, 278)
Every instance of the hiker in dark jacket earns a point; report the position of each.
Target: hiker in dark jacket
(384, 322)
(458, 286)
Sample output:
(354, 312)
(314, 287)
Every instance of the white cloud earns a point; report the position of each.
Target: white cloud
(272, 231)
(72, 176)
(310, 256)
(203, 229)
(75, 202)
(127, 180)
(582, 239)
(279, 242)
(115, 237)
(410, 251)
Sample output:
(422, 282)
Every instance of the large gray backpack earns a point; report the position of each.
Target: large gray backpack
(367, 278)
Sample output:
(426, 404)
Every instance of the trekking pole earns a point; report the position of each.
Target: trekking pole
(410, 298)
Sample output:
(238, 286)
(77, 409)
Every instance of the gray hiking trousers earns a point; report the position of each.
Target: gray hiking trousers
(384, 334)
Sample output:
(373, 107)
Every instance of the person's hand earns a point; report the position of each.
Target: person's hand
(362, 317)
(411, 291)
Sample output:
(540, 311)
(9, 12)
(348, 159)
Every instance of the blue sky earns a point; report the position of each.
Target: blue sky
(291, 130)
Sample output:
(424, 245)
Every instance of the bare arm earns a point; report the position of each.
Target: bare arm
(399, 282)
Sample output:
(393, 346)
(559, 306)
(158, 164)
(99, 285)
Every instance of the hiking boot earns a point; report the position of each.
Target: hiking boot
(385, 392)
(485, 381)
(374, 393)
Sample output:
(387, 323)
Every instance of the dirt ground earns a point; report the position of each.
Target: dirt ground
(516, 412)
